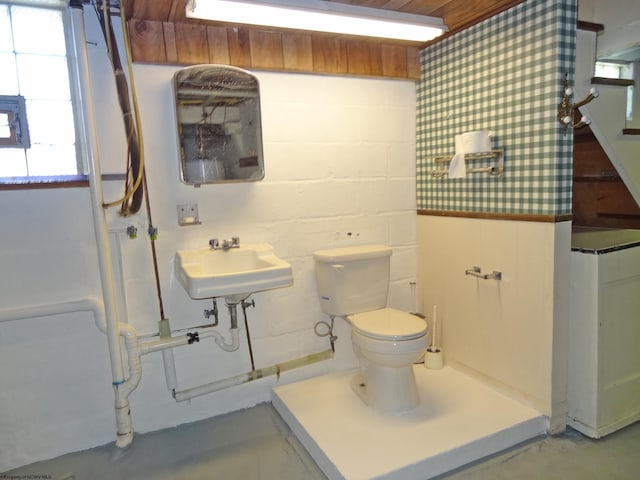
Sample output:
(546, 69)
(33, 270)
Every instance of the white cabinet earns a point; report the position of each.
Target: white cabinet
(604, 340)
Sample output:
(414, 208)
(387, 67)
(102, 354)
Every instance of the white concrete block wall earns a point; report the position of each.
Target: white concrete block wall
(340, 170)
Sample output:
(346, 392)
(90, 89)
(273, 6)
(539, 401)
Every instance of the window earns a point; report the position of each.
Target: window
(609, 70)
(14, 130)
(619, 69)
(37, 124)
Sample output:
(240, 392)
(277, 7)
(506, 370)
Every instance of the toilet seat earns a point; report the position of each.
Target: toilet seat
(388, 324)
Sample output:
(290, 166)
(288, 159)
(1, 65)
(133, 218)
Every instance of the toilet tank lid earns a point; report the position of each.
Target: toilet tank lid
(346, 254)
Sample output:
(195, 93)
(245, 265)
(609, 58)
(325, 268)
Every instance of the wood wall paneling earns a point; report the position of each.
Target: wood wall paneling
(329, 54)
(364, 58)
(195, 43)
(148, 41)
(298, 52)
(239, 47)
(413, 63)
(170, 42)
(191, 43)
(266, 50)
(394, 61)
(218, 45)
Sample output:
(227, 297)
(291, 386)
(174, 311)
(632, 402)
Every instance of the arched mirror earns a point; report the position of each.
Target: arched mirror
(219, 129)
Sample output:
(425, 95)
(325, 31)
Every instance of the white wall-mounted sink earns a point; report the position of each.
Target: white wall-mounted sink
(208, 273)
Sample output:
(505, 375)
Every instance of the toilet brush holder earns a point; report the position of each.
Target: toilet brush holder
(433, 359)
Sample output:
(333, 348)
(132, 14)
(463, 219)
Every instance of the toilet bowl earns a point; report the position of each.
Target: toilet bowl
(387, 342)
(353, 283)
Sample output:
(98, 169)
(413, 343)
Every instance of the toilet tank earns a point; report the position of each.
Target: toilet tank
(353, 279)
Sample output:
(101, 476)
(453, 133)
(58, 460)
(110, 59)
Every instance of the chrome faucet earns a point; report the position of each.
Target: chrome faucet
(233, 242)
(227, 243)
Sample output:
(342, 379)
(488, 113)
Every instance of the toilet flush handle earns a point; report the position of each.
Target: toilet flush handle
(337, 266)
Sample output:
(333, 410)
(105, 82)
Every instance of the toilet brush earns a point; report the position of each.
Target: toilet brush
(433, 356)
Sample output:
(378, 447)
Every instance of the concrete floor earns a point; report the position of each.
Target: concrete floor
(255, 444)
(564, 457)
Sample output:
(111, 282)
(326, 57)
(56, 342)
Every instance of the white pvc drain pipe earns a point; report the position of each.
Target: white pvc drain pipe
(89, 148)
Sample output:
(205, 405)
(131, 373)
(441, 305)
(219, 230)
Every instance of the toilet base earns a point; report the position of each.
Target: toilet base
(390, 391)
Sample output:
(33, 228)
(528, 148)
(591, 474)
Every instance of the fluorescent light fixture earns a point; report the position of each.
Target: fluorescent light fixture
(319, 16)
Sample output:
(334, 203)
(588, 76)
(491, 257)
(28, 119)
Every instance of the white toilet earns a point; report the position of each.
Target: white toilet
(353, 282)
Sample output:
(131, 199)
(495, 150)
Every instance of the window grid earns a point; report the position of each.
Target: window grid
(37, 67)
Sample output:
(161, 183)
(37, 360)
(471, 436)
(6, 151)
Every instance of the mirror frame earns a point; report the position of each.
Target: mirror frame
(222, 142)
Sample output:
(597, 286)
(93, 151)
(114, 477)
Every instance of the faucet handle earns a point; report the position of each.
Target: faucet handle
(235, 241)
(214, 243)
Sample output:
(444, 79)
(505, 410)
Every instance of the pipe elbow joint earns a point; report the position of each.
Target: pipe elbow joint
(235, 341)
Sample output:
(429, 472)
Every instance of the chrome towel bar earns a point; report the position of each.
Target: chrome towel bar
(477, 272)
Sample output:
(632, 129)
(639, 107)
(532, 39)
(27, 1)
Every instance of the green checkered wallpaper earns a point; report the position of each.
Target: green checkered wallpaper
(504, 75)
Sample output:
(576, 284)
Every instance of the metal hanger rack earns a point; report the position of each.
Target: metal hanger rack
(495, 170)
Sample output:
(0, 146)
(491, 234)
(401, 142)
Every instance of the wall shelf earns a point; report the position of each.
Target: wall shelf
(496, 169)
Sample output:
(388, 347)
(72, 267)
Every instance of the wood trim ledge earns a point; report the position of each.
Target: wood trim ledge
(522, 217)
(615, 82)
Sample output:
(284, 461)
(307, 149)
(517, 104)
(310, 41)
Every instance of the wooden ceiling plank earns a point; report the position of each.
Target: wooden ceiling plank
(460, 14)
(177, 11)
(396, 4)
(156, 10)
(455, 13)
(418, 7)
(127, 8)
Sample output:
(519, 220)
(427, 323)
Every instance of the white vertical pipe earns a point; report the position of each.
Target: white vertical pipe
(119, 272)
(89, 147)
(170, 375)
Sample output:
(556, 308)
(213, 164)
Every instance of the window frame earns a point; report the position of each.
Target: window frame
(56, 181)
(15, 108)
